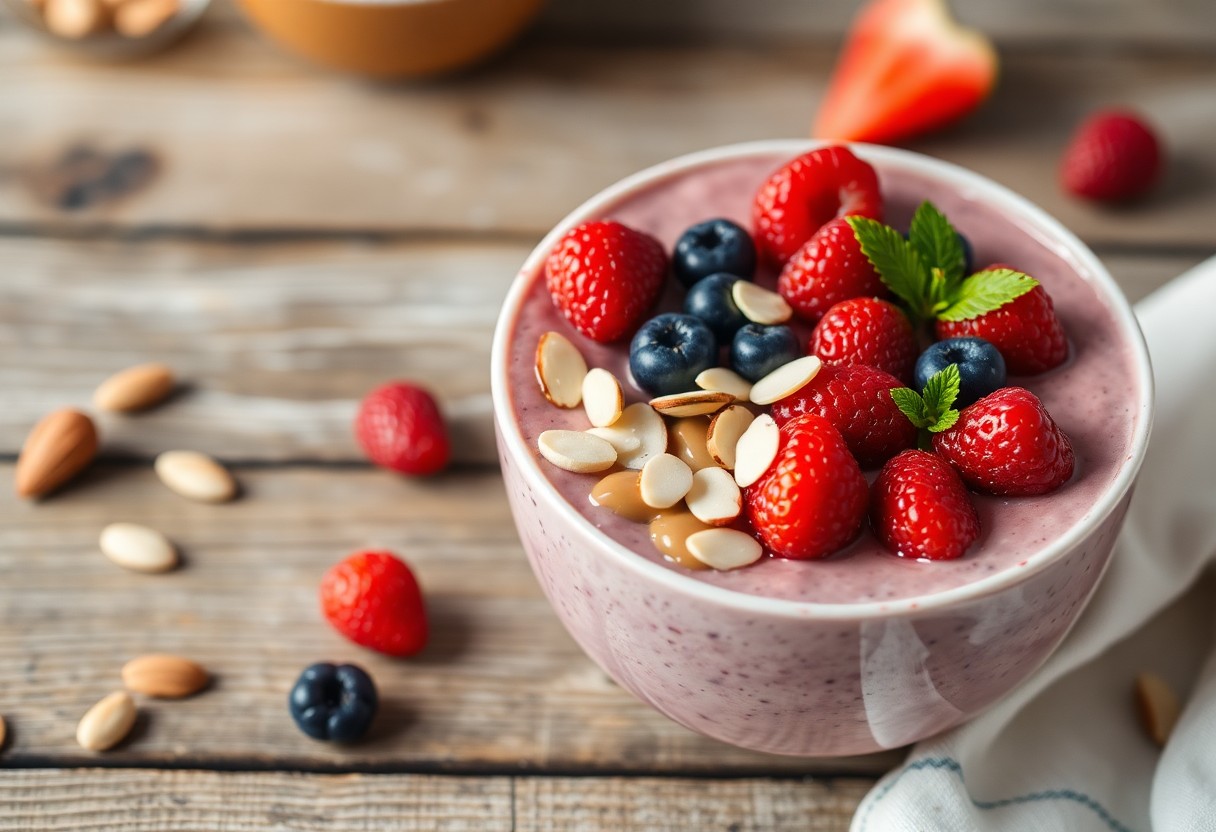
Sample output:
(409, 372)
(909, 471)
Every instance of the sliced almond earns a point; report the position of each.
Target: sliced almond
(756, 450)
(725, 429)
(714, 498)
(560, 369)
(723, 380)
(135, 388)
(724, 548)
(664, 481)
(643, 423)
(760, 305)
(196, 476)
(57, 449)
(694, 403)
(1158, 707)
(105, 724)
(625, 442)
(164, 676)
(786, 380)
(602, 397)
(137, 547)
(576, 450)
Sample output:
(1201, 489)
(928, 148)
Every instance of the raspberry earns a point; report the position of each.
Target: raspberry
(1026, 331)
(919, 508)
(1114, 156)
(829, 268)
(399, 427)
(373, 599)
(603, 276)
(866, 331)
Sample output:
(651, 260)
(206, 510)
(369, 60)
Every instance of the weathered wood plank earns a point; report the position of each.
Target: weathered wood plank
(257, 140)
(500, 687)
(134, 800)
(277, 342)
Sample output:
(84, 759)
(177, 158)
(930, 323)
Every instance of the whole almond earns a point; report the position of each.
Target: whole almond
(137, 547)
(1158, 706)
(196, 476)
(135, 388)
(164, 676)
(139, 18)
(73, 19)
(106, 723)
(57, 449)
(3, 732)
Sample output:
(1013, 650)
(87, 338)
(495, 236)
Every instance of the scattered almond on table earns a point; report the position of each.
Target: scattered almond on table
(195, 476)
(57, 449)
(107, 723)
(1158, 707)
(80, 19)
(164, 676)
(135, 388)
(138, 548)
(3, 732)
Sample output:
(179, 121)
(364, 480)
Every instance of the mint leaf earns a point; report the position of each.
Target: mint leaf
(945, 422)
(984, 292)
(896, 261)
(935, 239)
(941, 390)
(933, 410)
(911, 405)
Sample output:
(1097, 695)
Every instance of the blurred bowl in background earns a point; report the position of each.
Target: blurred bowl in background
(105, 43)
(392, 38)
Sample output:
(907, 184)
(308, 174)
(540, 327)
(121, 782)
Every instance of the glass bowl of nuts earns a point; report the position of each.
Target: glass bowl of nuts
(110, 29)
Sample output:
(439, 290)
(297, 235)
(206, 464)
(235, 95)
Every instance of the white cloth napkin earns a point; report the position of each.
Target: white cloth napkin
(1065, 751)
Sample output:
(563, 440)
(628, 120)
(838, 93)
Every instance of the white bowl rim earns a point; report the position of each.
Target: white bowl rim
(1034, 220)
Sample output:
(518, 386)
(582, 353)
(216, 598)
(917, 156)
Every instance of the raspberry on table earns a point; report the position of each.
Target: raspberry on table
(400, 427)
(1114, 156)
(374, 600)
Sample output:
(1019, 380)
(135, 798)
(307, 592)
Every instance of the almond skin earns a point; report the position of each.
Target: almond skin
(135, 388)
(164, 676)
(57, 449)
(106, 723)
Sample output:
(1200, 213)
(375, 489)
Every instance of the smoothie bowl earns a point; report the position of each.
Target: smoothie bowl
(782, 600)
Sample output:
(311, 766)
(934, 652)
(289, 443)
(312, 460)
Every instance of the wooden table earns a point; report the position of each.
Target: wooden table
(287, 239)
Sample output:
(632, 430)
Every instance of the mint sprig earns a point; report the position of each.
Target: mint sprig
(933, 409)
(926, 270)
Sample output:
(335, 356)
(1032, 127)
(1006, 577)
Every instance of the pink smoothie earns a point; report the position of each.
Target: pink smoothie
(1090, 396)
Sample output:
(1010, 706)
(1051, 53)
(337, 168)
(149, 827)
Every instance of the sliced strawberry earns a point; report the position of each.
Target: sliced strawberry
(807, 193)
(907, 68)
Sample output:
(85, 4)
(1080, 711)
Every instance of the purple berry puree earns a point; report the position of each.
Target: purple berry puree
(1091, 397)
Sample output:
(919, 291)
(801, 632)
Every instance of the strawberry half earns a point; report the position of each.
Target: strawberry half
(907, 68)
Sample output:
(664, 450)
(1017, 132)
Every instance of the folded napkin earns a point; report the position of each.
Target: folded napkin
(1065, 751)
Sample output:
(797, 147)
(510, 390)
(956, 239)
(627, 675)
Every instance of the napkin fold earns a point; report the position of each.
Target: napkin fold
(1065, 750)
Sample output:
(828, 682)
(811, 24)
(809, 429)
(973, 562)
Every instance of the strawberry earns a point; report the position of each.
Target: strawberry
(919, 508)
(603, 276)
(1113, 156)
(1008, 444)
(399, 427)
(812, 499)
(866, 331)
(803, 195)
(829, 268)
(373, 599)
(857, 401)
(1026, 331)
(907, 68)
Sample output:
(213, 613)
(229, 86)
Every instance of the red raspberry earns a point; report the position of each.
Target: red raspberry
(829, 268)
(373, 599)
(866, 331)
(603, 276)
(799, 198)
(1113, 156)
(919, 508)
(1026, 331)
(399, 427)
(1008, 444)
(857, 401)
(812, 499)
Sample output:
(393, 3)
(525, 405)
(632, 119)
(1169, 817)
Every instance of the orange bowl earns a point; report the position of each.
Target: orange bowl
(392, 38)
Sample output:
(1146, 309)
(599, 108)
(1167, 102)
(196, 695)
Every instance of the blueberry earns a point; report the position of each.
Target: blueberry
(710, 300)
(333, 702)
(670, 351)
(713, 246)
(758, 350)
(981, 367)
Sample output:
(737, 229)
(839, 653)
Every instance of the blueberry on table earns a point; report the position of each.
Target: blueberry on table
(758, 350)
(333, 702)
(670, 351)
(981, 367)
(713, 246)
(710, 300)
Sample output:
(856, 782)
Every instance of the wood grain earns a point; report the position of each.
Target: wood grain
(257, 141)
(294, 333)
(501, 687)
(137, 800)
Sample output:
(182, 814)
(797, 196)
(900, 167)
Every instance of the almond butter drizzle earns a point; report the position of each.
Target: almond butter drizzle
(669, 530)
(619, 494)
(686, 440)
